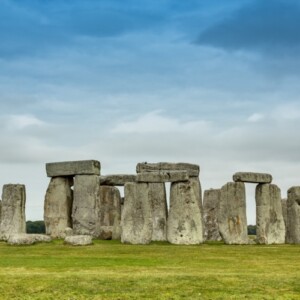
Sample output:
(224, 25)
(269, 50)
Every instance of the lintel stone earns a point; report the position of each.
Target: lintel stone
(117, 180)
(163, 176)
(252, 177)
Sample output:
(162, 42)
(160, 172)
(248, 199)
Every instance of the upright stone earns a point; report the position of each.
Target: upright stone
(158, 199)
(252, 177)
(185, 218)
(13, 210)
(58, 206)
(270, 227)
(284, 214)
(110, 213)
(210, 208)
(137, 223)
(293, 215)
(232, 218)
(86, 205)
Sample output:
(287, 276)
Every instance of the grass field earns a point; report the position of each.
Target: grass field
(110, 270)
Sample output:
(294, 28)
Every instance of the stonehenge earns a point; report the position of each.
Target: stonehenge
(293, 215)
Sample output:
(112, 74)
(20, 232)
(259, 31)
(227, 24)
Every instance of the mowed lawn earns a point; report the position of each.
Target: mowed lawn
(111, 270)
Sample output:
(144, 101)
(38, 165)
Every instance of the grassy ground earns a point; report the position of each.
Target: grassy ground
(110, 270)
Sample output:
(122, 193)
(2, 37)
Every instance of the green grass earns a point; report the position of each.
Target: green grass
(110, 270)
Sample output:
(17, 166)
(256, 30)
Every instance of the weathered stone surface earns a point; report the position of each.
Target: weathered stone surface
(110, 212)
(58, 206)
(117, 180)
(13, 210)
(270, 227)
(252, 177)
(163, 176)
(27, 239)
(232, 218)
(72, 168)
(211, 201)
(192, 170)
(79, 240)
(137, 223)
(158, 199)
(185, 219)
(86, 205)
(69, 231)
(293, 215)
(284, 214)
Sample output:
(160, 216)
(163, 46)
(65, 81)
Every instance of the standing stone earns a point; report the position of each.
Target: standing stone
(86, 205)
(270, 227)
(58, 206)
(137, 223)
(210, 208)
(293, 215)
(185, 218)
(110, 212)
(13, 210)
(232, 218)
(158, 199)
(284, 214)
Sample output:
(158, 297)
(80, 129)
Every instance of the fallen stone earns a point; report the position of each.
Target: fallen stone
(137, 223)
(58, 206)
(79, 240)
(117, 180)
(232, 217)
(293, 215)
(252, 177)
(185, 218)
(284, 214)
(86, 205)
(13, 210)
(163, 176)
(192, 170)
(72, 168)
(210, 210)
(27, 239)
(270, 227)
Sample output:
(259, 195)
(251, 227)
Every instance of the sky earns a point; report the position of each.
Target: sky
(215, 83)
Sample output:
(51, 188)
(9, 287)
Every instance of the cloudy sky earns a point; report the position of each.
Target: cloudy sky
(209, 82)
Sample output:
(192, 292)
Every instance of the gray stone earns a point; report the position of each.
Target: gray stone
(211, 201)
(270, 227)
(110, 212)
(293, 215)
(163, 176)
(68, 231)
(252, 177)
(117, 180)
(79, 240)
(86, 205)
(13, 210)
(192, 170)
(58, 206)
(185, 218)
(72, 168)
(137, 223)
(28, 239)
(158, 199)
(284, 214)
(232, 217)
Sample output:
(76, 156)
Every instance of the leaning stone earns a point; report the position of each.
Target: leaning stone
(232, 217)
(79, 240)
(252, 177)
(86, 205)
(27, 239)
(270, 227)
(293, 215)
(185, 218)
(163, 176)
(192, 170)
(136, 223)
(284, 214)
(110, 211)
(117, 180)
(72, 168)
(58, 206)
(13, 210)
(210, 208)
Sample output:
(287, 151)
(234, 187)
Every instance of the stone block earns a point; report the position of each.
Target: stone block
(284, 214)
(252, 177)
(72, 168)
(117, 180)
(163, 176)
(28, 239)
(293, 215)
(79, 240)
(270, 227)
